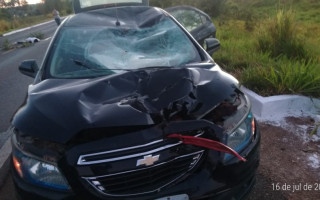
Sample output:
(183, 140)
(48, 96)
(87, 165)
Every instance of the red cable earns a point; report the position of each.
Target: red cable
(210, 144)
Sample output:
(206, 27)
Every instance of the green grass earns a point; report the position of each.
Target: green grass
(285, 77)
(280, 37)
(269, 48)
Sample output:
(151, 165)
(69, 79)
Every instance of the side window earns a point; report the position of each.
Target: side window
(189, 19)
(197, 22)
(204, 19)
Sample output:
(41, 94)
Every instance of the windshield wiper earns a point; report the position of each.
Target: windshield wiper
(94, 66)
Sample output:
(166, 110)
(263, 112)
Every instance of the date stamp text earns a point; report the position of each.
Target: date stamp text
(296, 187)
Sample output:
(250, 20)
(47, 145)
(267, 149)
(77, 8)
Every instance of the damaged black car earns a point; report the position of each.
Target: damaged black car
(128, 105)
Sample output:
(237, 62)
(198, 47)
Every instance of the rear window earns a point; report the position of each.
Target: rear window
(94, 51)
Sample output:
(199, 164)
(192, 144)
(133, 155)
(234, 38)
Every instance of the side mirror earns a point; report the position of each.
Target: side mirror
(29, 68)
(211, 45)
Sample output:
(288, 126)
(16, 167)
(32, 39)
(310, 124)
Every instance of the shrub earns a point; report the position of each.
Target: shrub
(287, 60)
(286, 77)
(280, 37)
(213, 7)
(4, 26)
(15, 24)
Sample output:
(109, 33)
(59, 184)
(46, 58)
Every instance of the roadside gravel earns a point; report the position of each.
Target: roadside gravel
(286, 171)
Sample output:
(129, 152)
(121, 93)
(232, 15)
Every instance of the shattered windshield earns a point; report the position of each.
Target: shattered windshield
(101, 50)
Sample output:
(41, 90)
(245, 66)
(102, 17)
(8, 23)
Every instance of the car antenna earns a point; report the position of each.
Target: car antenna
(117, 22)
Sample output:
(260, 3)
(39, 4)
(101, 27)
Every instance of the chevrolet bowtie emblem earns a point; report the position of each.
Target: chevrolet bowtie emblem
(148, 160)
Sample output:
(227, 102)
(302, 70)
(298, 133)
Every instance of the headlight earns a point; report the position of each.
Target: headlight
(241, 136)
(38, 172)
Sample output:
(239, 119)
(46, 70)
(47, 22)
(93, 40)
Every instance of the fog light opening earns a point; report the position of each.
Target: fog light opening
(253, 124)
(17, 166)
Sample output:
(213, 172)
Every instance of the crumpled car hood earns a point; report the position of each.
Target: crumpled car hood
(57, 109)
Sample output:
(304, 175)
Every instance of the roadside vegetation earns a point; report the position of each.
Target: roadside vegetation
(17, 23)
(272, 46)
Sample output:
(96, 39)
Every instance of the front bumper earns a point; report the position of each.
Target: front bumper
(208, 181)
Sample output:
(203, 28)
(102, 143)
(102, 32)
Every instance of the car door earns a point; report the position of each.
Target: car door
(197, 22)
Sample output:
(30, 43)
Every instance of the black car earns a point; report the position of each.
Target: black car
(128, 105)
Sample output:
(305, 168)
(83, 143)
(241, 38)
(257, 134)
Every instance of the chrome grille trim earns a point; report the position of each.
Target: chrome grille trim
(97, 187)
(82, 160)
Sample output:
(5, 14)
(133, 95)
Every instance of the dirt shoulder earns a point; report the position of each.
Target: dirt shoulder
(289, 165)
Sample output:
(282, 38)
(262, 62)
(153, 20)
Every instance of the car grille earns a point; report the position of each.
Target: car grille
(139, 169)
(145, 180)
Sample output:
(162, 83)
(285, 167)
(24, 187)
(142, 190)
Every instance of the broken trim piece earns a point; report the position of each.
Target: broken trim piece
(210, 144)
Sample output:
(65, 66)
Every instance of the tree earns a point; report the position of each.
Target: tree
(3, 4)
(13, 3)
(25, 6)
(4, 14)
